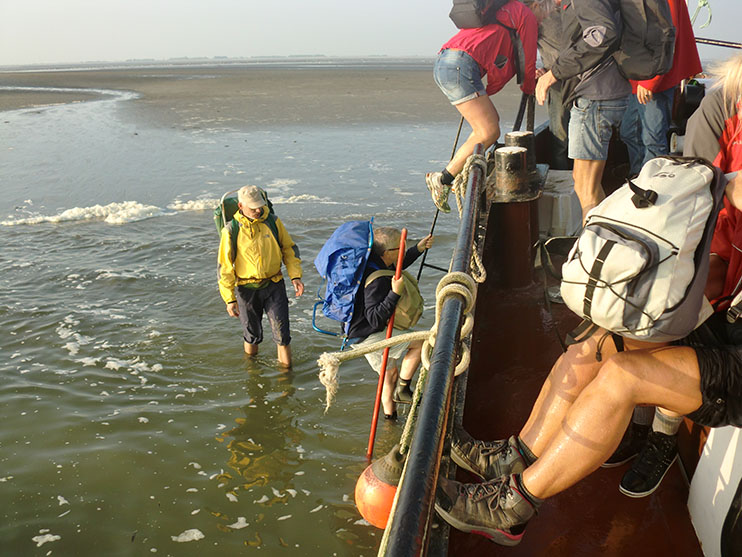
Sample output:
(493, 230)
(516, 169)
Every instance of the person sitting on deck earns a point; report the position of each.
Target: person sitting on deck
(585, 405)
(250, 280)
(594, 87)
(374, 305)
(464, 60)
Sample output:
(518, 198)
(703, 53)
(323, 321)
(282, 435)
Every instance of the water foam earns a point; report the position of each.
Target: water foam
(113, 213)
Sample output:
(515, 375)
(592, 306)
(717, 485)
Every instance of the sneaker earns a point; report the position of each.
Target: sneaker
(402, 394)
(647, 471)
(486, 459)
(495, 509)
(629, 447)
(438, 191)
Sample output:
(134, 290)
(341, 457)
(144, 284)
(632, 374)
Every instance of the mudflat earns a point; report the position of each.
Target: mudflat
(246, 96)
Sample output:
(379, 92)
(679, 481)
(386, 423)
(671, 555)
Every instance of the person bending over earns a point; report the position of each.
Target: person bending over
(374, 305)
(463, 61)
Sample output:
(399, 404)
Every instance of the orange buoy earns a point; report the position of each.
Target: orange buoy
(377, 486)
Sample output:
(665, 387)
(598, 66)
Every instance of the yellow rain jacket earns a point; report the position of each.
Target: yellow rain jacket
(258, 256)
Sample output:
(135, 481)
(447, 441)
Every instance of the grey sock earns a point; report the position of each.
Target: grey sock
(643, 415)
(528, 455)
(663, 423)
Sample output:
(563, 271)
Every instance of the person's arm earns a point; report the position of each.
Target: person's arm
(705, 129)
(595, 38)
(291, 258)
(717, 276)
(380, 302)
(415, 251)
(225, 272)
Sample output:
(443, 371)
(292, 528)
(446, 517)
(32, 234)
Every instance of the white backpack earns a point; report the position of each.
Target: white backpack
(639, 265)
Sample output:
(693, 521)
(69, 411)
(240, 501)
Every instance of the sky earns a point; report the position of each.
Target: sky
(70, 31)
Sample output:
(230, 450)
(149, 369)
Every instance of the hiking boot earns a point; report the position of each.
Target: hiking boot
(402, 394)
(647, 471)
(486, 459)
(438, 190)
(495, 509)
(629, 447)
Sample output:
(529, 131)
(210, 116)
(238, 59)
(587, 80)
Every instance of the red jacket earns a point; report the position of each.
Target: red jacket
(685, 60)
(715, 133)
(484, 44)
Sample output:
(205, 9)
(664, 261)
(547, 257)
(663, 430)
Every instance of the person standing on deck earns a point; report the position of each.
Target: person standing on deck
(647, 119)
(592, 82)
(250, 280)
(463, 61)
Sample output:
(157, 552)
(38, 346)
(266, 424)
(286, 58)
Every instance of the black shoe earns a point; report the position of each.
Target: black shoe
(402, 394)
(392, 416)
(647, 471)
(629, 447)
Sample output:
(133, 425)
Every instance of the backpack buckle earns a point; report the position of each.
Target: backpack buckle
(733, 314)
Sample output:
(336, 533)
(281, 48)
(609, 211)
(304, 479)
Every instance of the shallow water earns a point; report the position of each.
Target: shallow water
(133, 424)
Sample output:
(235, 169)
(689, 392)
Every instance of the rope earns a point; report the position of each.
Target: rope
(701, 4)
(459, 189)
(452, 284)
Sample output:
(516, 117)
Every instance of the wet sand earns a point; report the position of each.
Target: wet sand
(246, 97)
(249, 96)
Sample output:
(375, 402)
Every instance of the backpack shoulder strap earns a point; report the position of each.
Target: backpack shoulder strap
(270, 221)
(233, 228)
(376, 274)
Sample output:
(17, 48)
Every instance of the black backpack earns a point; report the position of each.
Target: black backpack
(647, 39)
(468, 14)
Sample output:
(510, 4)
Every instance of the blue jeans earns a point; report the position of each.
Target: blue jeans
(591, 126)
(459, 76)
(644, 128)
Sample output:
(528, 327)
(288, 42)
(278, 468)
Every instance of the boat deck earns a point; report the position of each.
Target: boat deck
(514, 345)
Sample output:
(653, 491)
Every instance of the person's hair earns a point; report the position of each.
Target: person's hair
(386, 237)
(541, 8)
(728, 76)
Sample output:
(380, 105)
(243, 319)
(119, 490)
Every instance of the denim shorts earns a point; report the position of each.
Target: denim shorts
(591, 125)
(459, 76)
(718, 347)
(271, 299)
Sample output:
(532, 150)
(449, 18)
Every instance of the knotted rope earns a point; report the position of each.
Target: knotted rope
(452, 284)
(459, 190)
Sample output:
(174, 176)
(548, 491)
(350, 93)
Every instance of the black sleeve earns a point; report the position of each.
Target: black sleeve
(380, 302)
(411, 255)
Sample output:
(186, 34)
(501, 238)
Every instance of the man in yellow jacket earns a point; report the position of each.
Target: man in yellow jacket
(250, 280)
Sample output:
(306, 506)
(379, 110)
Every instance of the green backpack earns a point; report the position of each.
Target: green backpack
(224, 216)
(410, 304)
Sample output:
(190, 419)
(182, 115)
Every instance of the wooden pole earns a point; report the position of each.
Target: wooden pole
(385, 357)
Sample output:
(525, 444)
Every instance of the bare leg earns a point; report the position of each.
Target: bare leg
(571, 373)
(484, 120)
(411, 360)
(284, 355)
(250, 349)
(590, 432)
(390, 382)
(587, 176)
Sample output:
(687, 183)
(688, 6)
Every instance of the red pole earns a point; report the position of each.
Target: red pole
(385, 357)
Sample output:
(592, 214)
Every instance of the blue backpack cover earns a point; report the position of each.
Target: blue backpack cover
(341, 263)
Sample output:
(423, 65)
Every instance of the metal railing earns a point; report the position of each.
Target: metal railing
(407, 530)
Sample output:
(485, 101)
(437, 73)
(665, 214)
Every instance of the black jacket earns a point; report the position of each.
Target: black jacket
(375, 304)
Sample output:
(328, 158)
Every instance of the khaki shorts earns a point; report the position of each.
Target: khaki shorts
(375, 358)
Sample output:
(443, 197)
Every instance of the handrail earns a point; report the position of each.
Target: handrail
(717, 42)
(406, 533)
